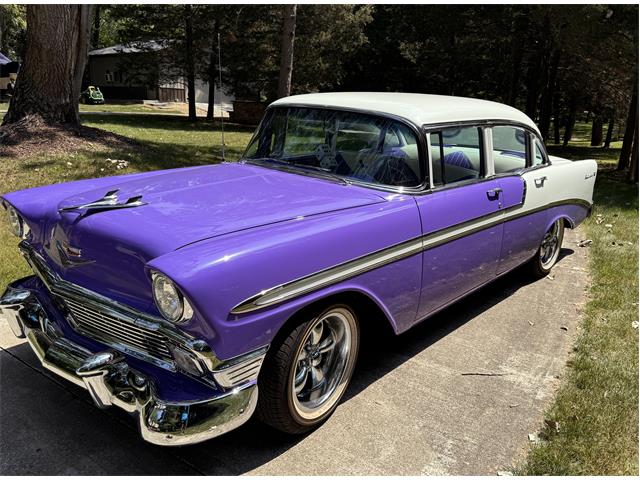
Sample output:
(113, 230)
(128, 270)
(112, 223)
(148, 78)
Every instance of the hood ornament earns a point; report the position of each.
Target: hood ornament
(108, 202)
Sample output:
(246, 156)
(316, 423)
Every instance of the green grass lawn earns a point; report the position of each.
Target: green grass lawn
(597, 406)
(129, 107)
(166, 143)
(117, 107)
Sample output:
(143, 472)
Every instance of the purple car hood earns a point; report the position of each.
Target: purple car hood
(187, 205)
(180, 207)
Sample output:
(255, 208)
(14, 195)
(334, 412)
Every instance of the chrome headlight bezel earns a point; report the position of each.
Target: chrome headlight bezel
(15, 221)
(169, 300)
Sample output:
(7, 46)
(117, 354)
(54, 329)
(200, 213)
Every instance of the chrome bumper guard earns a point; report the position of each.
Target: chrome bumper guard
(110, 380)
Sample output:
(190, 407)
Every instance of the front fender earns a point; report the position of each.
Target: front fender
(220, 273)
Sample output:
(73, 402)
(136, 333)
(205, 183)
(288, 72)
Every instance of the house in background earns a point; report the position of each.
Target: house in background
(132, 72)
(8, 73)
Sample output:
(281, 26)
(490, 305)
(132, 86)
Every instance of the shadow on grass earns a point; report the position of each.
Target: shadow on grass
(162, 122)
(576, 152)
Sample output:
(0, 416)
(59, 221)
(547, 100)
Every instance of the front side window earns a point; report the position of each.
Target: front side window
(351, 145)
(509, 148)
(456, 155)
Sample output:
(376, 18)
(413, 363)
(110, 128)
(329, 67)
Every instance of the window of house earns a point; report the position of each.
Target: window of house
(509, 148)
(108, 76)
(456, 155)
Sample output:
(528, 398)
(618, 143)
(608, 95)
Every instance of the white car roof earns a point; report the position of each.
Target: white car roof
(421, 109)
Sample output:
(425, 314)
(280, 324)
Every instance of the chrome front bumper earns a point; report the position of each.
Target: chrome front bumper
(110, 380)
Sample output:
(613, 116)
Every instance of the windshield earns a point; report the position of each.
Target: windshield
(351, 145)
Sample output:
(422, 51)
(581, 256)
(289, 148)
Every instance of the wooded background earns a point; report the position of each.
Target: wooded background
(557, 63)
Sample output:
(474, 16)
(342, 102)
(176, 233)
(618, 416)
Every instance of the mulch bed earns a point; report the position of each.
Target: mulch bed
(32, 135)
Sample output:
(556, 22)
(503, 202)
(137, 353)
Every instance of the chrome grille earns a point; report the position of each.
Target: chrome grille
(109, 328)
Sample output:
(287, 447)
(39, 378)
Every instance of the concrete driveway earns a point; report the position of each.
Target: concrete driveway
(456, 395)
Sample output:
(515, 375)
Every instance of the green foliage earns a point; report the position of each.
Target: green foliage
(326, 39)
(13, 27)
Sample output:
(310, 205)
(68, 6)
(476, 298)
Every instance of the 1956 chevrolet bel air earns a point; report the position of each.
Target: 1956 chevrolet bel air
(194, 297)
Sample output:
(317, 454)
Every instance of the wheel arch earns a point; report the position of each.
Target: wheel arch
(373, 317)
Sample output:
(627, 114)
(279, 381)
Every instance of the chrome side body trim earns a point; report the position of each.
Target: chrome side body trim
(358, 266)
(112, 382)
(329, 276)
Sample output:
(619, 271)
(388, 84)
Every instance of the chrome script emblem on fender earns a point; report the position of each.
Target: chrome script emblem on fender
(70, 256)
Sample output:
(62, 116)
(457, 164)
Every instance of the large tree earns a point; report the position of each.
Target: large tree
(50, 78)
(287, 42)
(13, 25)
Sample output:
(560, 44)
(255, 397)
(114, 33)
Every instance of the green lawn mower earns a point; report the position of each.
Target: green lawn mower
(92, 96)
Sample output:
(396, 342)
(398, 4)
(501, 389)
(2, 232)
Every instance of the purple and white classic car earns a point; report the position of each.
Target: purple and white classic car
(194, 297)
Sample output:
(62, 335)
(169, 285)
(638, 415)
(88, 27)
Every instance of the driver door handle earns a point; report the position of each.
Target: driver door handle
(494, 193)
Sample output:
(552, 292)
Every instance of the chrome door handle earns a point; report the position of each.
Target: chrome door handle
(540, 182)
(494, 193)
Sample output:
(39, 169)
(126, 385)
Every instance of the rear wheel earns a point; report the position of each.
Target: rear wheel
(304, 378)
(549, 250)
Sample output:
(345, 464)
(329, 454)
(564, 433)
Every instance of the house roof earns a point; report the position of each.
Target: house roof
(4, 60)
(421, 109)
(134, 47)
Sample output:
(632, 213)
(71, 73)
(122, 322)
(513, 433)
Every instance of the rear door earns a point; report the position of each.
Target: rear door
(460, 218)
(519, 161)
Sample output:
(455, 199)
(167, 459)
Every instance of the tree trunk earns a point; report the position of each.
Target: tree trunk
(632, 122)
(286, 50)
(556, 117)
(518, 34)
(533, 81)
(571, 121)
(95, 38)
(212, 72)
(191, 68)
(610, 126)
(633, 169)
(547, 96)
(50, 78)
(596, 130)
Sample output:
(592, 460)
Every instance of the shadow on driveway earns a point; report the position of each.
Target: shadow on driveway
(48, 426)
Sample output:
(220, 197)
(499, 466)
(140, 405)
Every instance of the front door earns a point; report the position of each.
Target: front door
(460, 219)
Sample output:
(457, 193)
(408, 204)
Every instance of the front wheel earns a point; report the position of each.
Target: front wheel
(549, 250)
(304, 378)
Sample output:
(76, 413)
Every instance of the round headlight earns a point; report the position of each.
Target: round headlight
(167, 297)
(15, 221)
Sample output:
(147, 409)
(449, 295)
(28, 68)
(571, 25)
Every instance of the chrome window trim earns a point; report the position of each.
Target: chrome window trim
(352, 268)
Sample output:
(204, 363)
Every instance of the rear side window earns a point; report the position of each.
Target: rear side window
(539, 157)
(456, 155)
(509, 148)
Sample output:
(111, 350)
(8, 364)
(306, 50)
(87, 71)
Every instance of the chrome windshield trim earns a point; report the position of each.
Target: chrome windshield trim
(420, 138)
(344, 271)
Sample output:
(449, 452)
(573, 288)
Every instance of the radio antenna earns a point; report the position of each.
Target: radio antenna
(220, 94)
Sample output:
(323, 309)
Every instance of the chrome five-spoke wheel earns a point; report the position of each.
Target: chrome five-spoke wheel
(324, 357)
(549, 250)
(306, 374)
